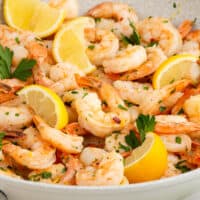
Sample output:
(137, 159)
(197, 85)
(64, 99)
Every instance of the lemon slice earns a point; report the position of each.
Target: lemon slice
(33, 15)
(78, 25)
(176, 68)
(46, 104)
(68, 47)
(147, 162)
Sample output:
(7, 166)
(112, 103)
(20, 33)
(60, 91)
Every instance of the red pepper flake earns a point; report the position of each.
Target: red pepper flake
(116, 120)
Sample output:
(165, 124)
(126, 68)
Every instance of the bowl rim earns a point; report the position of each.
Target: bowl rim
(180, 179)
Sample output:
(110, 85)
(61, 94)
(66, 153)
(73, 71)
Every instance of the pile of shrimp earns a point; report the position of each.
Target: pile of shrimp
(103, 106)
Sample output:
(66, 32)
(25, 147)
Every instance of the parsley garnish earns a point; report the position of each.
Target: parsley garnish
(2, 135)
(134, 38)
(44, 175)
(178, 140)
(174, 5)
(23, 70)
(125, 148)
(91, 47)
(122, 107)
(128, 103)
(17, 40)
(181, 167)
(145, 124)
(74, 92)
(152, 44)
(146, 87)
(84, 95)
(181, 111)
(132, 140)
(97, 20)
(162, 108)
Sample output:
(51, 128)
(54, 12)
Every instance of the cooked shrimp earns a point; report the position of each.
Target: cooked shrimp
(177, 143)
(89, 108)
(171, 169)
(69, 6)
(174, 124)
(74, 129)
(192, 157)
(162, 31)
(178, 107)
(148, 99)
(14, 118)
(60, 77)
(102, 168)
(8, 87)
(191, 108)
(194, 36)
(125, 60)
(190, 47)
(31, 151)
(54, 174)
(103, 44)
(155, 57)
(122, 14)
(185, 27)
(64, 142)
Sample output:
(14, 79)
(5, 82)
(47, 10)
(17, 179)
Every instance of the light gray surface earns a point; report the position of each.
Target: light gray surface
(169, 189)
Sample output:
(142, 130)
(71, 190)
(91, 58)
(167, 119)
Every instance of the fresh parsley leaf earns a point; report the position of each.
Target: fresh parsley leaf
(174, 5)
(97, 20)
(132, 140)
(17, 40)
(134, 38)
(178, 140)
(162, 108)
(46, 175)
(6, 56)
(24, 69)
(2, 135)
(145, 124)
(122, 107)
(91, 47)
(125, 148)
(152, 44)
(181, 167)
(129, 104)
(145, 87)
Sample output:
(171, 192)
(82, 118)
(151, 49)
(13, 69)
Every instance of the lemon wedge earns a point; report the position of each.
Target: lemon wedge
(33, 15)
(147, 162)
(69, 46)
(176, 68)
(46, 104)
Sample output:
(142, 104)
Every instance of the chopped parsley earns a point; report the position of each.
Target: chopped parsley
(145, 124)
(122, 107)
(43, 175)
(162, 108)
(146, 87)
(6, 113)
(165, 21)
(183, 168)
(134, 38)
(128, 103)
(172, 81)
(74, 92)
(178, 140)
(152, 44)
(181, 111)
(97, 20)
(2, 135)
(91, 47)
(17, 40)
(84, 95)
(23, 70)
(174, 5)
(16, 114)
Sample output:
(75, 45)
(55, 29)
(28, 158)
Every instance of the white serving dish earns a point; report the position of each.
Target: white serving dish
(183, 187)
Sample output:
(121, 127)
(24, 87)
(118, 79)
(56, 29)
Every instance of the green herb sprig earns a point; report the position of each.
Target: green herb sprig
(23, 70)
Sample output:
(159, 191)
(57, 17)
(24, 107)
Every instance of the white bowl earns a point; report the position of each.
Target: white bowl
(184, 186)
